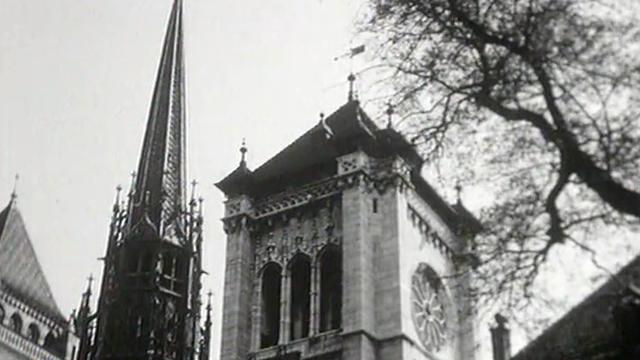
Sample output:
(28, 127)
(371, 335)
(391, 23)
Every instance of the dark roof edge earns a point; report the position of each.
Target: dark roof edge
(612, 283)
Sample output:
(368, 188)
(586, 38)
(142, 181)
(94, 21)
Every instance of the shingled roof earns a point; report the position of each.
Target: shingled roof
(20, 271)
(346, 130)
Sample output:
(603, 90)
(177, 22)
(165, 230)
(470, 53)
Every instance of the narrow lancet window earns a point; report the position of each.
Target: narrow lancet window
(270, 305)
(300, 297)
(330, 289)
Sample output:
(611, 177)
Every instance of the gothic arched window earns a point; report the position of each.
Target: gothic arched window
(300, 268)
(330, 289)
(1, 315)
(16, 323)
(270, 305)
(33, 333)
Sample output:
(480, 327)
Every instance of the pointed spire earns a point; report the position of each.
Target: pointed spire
(82, 321)
(159, 191)
(116, 202)
(89, 283)
(206, 331)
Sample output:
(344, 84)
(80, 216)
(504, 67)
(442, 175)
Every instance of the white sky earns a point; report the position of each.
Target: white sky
(75, 85)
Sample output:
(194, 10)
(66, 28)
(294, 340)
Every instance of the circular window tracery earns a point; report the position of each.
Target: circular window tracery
(429, 305)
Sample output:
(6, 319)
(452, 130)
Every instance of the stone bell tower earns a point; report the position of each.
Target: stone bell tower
(337, 248)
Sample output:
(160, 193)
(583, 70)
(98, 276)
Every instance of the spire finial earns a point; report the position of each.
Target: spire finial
(194, 183)
(133, 183)
(351, 78)
(389, 113)
(243, 152)
(458, 189)
(90, 282)
(14, 192)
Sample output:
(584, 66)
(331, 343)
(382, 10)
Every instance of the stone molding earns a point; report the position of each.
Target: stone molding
(24, 346)
(32, 312)
(353, 170)
(430, 235)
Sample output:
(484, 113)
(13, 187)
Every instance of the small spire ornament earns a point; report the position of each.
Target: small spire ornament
(243, 153)
(389, 113)
(351, 78)
(14, 192)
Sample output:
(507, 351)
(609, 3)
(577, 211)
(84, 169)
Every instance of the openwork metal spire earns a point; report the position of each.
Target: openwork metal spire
(159, 193)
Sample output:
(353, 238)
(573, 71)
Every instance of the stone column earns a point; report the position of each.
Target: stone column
(500, 339)
(284, 308)
(238, 281)
(358, 296)
(314, 303)
(256, 318)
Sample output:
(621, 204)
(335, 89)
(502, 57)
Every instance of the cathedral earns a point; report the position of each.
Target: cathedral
(337, 248)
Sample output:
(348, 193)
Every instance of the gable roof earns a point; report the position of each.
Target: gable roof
(588, 330)
(20, 271)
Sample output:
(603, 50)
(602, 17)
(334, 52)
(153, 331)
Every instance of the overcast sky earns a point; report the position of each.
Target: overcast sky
(75, 85)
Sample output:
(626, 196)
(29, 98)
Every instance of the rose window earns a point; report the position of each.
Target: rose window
(428, 303)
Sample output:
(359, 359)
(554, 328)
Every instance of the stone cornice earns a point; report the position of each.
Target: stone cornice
(24, 346)
(12, 299)
(375, 176)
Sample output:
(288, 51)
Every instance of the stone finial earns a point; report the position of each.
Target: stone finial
(243, 153)
(351, 79)
(389, 113)
(500, 339)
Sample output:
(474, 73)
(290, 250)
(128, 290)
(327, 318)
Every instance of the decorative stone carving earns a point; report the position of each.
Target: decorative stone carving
(307, 232)
(352, 162)
(429, 234)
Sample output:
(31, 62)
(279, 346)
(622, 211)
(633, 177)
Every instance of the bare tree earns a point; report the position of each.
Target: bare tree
(544, 94)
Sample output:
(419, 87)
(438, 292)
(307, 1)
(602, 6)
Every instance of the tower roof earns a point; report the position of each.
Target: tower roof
(159, 191)
(20, 271)
(346, 130)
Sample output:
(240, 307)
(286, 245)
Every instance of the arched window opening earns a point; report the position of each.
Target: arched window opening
(330, 290)
(50, 342)
(33, 333)
(270, 305)
(300, 297)
(16, 323)
(1, 315)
